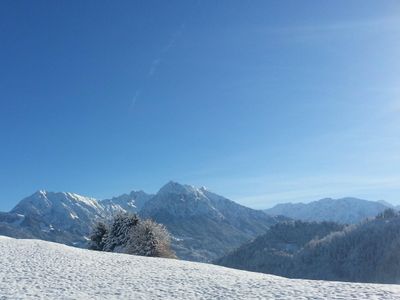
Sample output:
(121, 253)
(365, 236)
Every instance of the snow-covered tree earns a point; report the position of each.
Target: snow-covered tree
(120, 230)
(150, 239)
(127, 233)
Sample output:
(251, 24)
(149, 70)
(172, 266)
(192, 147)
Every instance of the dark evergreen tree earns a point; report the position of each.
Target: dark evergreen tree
(98, 236)
(387, 214)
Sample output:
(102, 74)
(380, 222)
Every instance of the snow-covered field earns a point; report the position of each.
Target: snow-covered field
(32, 269)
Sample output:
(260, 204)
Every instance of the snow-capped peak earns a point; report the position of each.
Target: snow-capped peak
(176, 188)
(41, 192)
(86, 200)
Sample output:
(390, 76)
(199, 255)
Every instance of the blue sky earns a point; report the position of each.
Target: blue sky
(260, 101)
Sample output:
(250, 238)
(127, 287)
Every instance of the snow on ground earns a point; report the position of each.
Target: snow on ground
(33, 269)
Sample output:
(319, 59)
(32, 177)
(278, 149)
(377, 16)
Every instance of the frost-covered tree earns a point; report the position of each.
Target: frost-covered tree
(127, 233)
(150, 239)
(120, 230)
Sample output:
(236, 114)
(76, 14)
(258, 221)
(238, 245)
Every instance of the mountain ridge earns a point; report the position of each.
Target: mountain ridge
(203, 224)
(343, 210)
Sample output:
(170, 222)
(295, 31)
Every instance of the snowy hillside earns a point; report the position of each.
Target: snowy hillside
(37, 269)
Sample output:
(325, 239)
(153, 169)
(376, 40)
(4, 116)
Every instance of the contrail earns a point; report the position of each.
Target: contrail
(155, 64)
(157, 61)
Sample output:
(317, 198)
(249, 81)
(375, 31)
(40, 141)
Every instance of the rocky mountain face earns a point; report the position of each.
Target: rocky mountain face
(60, 217)
(64, 217)
(203, 225)
(344, 210)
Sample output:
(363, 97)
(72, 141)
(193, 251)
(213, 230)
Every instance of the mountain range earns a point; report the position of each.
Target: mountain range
(203, 225)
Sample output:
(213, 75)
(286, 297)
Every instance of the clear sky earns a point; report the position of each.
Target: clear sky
(260, 101)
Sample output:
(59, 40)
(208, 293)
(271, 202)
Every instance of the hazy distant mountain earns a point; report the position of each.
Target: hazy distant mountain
(345, 210)
(204, 225)
(389, 205)
(366, 252)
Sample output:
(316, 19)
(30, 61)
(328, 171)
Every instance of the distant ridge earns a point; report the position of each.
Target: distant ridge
(345, 210)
